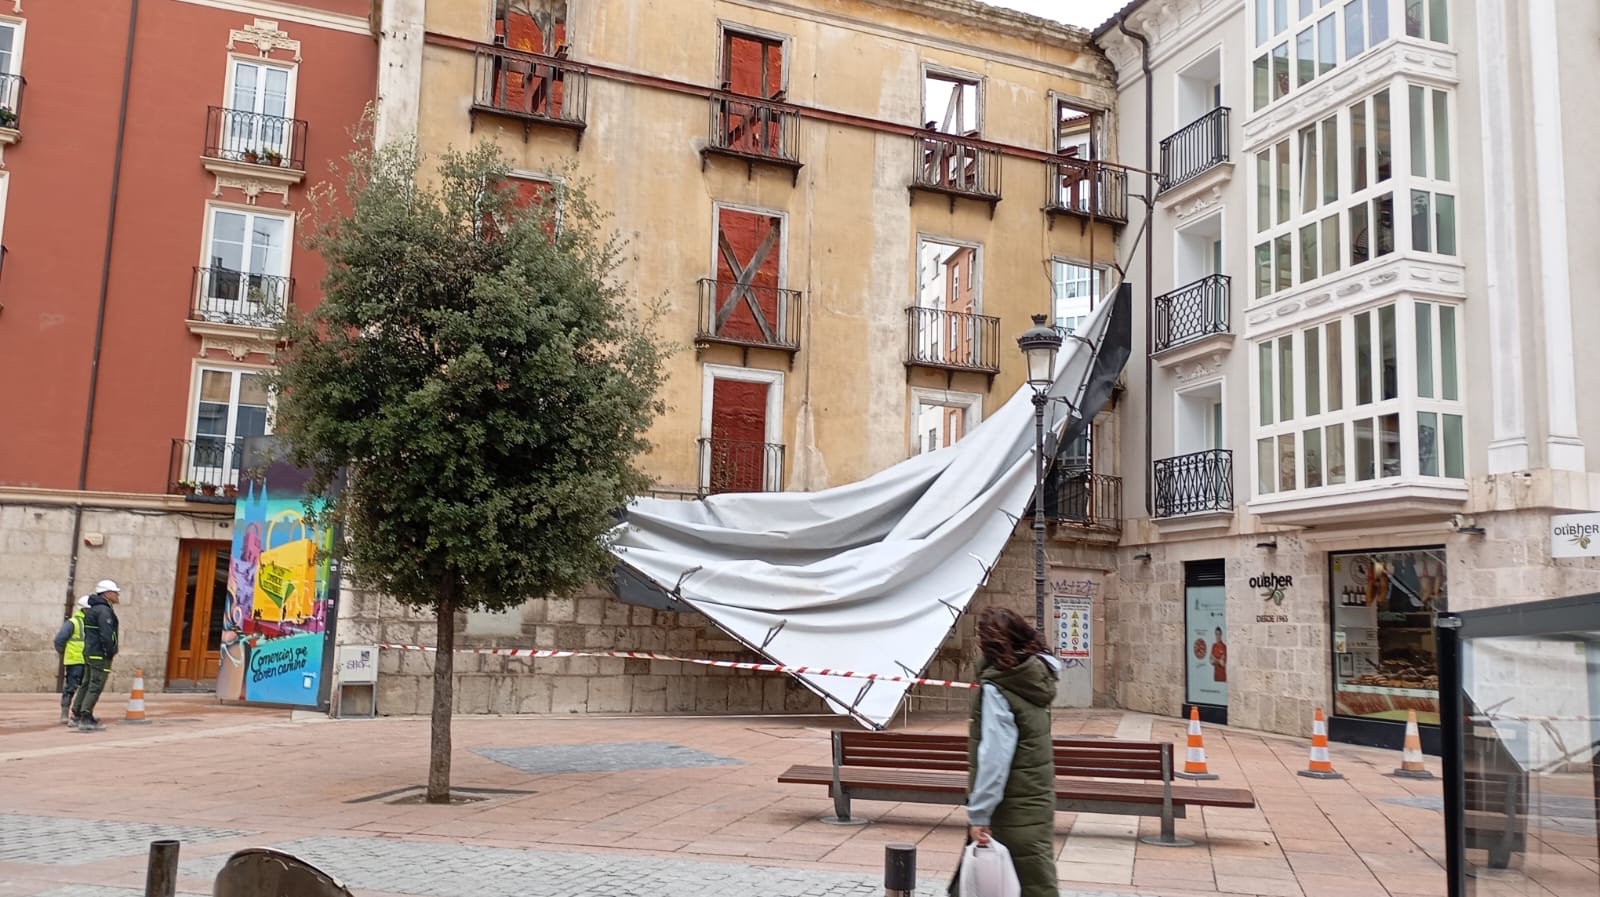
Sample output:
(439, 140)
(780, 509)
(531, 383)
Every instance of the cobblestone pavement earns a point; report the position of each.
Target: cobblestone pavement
(56, 841)
(556, 758)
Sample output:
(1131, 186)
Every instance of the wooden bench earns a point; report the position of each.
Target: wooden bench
(1497, 815)
(932, 769)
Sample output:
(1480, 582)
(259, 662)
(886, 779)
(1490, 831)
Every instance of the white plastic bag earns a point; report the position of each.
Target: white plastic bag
(986, 871)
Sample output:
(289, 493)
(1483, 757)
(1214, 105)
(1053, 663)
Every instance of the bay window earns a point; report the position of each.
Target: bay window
(1311, 37)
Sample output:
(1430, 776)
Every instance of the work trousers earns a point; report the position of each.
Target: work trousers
(94, 682)
(71, 683)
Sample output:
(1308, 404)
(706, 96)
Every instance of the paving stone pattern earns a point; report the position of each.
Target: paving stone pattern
(100, 891)
(604, 757)
(1553, 811)
(57, 841)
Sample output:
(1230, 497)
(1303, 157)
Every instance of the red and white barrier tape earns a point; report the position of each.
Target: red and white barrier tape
(1534, 719)
(730, 664)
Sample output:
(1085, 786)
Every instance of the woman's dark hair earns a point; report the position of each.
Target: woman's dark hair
(1006, 639)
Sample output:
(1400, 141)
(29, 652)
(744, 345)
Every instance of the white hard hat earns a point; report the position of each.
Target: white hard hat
(106, 585)
(83, 602)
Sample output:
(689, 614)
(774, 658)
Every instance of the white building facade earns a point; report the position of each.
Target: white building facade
(1362, 399)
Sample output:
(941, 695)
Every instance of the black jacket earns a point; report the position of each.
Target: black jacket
(99, 632)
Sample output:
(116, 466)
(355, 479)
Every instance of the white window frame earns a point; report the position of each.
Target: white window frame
(192, 409)
(970, 403)
(290, 92)
(710, 374)
(948, 73)
(5, 188)
(1221, 84)
(1218, 437)
(207, 227)
(556, 183)
(1097, 275)
(18, 41)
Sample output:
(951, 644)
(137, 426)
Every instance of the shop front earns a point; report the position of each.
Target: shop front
(1385, 654)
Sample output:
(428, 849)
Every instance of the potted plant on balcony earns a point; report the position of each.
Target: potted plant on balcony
(251, 155)
(272, 157)
(186, 487)
(8, 117)
(208, 488)
(229, 490)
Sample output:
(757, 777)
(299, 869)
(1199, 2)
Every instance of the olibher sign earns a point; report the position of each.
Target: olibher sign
(1575, 536)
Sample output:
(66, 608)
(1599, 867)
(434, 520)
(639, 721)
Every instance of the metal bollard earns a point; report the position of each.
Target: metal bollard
(899, 870)
(161, 875)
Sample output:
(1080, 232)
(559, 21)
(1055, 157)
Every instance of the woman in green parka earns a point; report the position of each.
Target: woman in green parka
(1012, 796)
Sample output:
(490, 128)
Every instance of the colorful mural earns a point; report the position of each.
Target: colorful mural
(277, 625)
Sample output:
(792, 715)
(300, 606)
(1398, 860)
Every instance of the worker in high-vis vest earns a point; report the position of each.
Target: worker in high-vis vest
(100, 643)
(69, 644)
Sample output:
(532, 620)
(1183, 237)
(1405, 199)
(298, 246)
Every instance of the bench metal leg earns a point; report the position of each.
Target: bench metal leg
(841, 810)
(1169, 835)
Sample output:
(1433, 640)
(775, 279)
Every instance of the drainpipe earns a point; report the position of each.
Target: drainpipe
(1149, 257)
(100, 316)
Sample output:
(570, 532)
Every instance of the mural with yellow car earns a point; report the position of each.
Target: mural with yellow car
(282, 577)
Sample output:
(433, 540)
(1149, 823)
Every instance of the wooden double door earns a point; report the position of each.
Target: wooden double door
(199, 600)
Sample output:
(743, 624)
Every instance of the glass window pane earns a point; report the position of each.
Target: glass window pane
(1261, 78)
(1284, 261)
(1309, 192)
(1425, 350)
(1280, 16)
(1313, 456)
(252, 421)
(1263, 190)
(252, 390)
(1358, 146)
(216, 386)
(227, 241)
(1445, 210)
(1330, 159)
(1266, 473)
(1419, 131)
(1389, 357)
(1335, 437)
(1414, 18)
(1360, 237)
(1263, 22)
(1282, 150)
(1383, 224)
(1308, 253)
(1438, 21)
(1307, 7)
(1427, 443)
(1377, 22)
(1380, 133)
(1263, 270)
(1389, 445)
(1441, 135)
(1364, 358)
(1313, 343)
(1353, 33)
(1364, 449)
(268, 236)
(1264, 381)
(1335, 366)
(1454, 465)
(1327, 44)
(1286, 464)
(1447, 353)
(211, 419)
(1305, 57)
(244, 86)
(1285, 378)
(1421, 221)
(1330, 244)
(1280, 70)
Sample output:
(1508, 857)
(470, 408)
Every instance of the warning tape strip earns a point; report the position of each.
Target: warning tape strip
(731, 664)
(1535, 719)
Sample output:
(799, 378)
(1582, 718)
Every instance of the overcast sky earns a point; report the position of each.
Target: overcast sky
(1083, 13)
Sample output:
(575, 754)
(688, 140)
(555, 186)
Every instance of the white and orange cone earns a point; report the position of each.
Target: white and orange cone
(1194, 759)
(1411, 766)
(1320, 767)
(136, 699)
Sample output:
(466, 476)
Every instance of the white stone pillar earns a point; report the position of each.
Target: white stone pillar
(399, 69)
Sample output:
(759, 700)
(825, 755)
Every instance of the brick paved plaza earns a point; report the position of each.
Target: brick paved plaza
(641, 806)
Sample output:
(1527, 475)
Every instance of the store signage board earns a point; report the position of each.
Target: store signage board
(1575, 535)
(1273, 590)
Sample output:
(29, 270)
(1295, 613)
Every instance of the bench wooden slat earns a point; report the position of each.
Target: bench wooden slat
(1066, 788)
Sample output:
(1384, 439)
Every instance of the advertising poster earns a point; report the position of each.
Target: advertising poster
(277, 624)
(1207, 618)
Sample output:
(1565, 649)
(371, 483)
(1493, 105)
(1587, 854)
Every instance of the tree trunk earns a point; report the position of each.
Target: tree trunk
(443, 700)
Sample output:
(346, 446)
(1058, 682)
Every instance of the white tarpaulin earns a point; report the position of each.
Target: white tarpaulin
(870, 576)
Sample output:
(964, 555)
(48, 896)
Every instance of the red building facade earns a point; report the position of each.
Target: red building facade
(156, 158)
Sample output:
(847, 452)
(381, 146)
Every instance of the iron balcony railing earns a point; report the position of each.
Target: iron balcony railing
(1088, 188)
(205, 467)
(11, 101)
(736, 465)
(1194, 484)
(531, 86)
(952, 339)
(1077, 496)
(269, 140)
(749, 315)
(225, 296)
(755, 129)
(1192, 312)
(1195, 148)
(957, 166)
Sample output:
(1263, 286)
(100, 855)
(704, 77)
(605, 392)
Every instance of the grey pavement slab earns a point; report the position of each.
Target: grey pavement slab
(614, 757)
(59, 841)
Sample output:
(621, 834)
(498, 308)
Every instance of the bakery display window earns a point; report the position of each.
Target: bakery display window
(1384, 651)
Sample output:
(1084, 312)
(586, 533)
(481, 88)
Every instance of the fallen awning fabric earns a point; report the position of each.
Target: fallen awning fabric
(871, 576)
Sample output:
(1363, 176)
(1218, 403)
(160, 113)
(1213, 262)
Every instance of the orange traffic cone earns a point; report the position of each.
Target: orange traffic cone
(1194, 760)
(1320, 767)
(136, 698)
(1411, 755)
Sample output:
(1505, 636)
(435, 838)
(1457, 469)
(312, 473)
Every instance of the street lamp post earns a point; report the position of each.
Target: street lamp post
(1039, 345)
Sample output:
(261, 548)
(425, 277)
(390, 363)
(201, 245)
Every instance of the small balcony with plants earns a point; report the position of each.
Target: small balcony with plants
(11, 109)
(243, 146)
(238, 299)
(1194, 487)
(535, 89)
(205, 468)
(755, 131)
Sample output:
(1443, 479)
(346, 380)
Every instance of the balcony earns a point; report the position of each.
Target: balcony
(957, 167)
(205, 468)
(755, 130)
(11, 109)
(735, 465)
(741, 314)
(1079, 498)
(1195, 149)
(239, 298)
(1195, 484)
(253, 152)
(1193, 321)
(952, 341)
(1088, 189)
(532, 88)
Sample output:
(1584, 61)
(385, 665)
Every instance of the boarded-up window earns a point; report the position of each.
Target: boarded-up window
(530, 193)
(748, 276)
(740, 459)
(752, 66)
(532, 26)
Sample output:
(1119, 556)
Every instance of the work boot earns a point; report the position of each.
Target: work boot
(74, 721)
(89, 724)
(63, 715)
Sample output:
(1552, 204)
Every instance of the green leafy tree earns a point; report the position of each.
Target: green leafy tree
(483, 378)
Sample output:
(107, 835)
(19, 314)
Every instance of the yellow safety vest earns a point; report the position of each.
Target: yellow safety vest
(74, 652)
